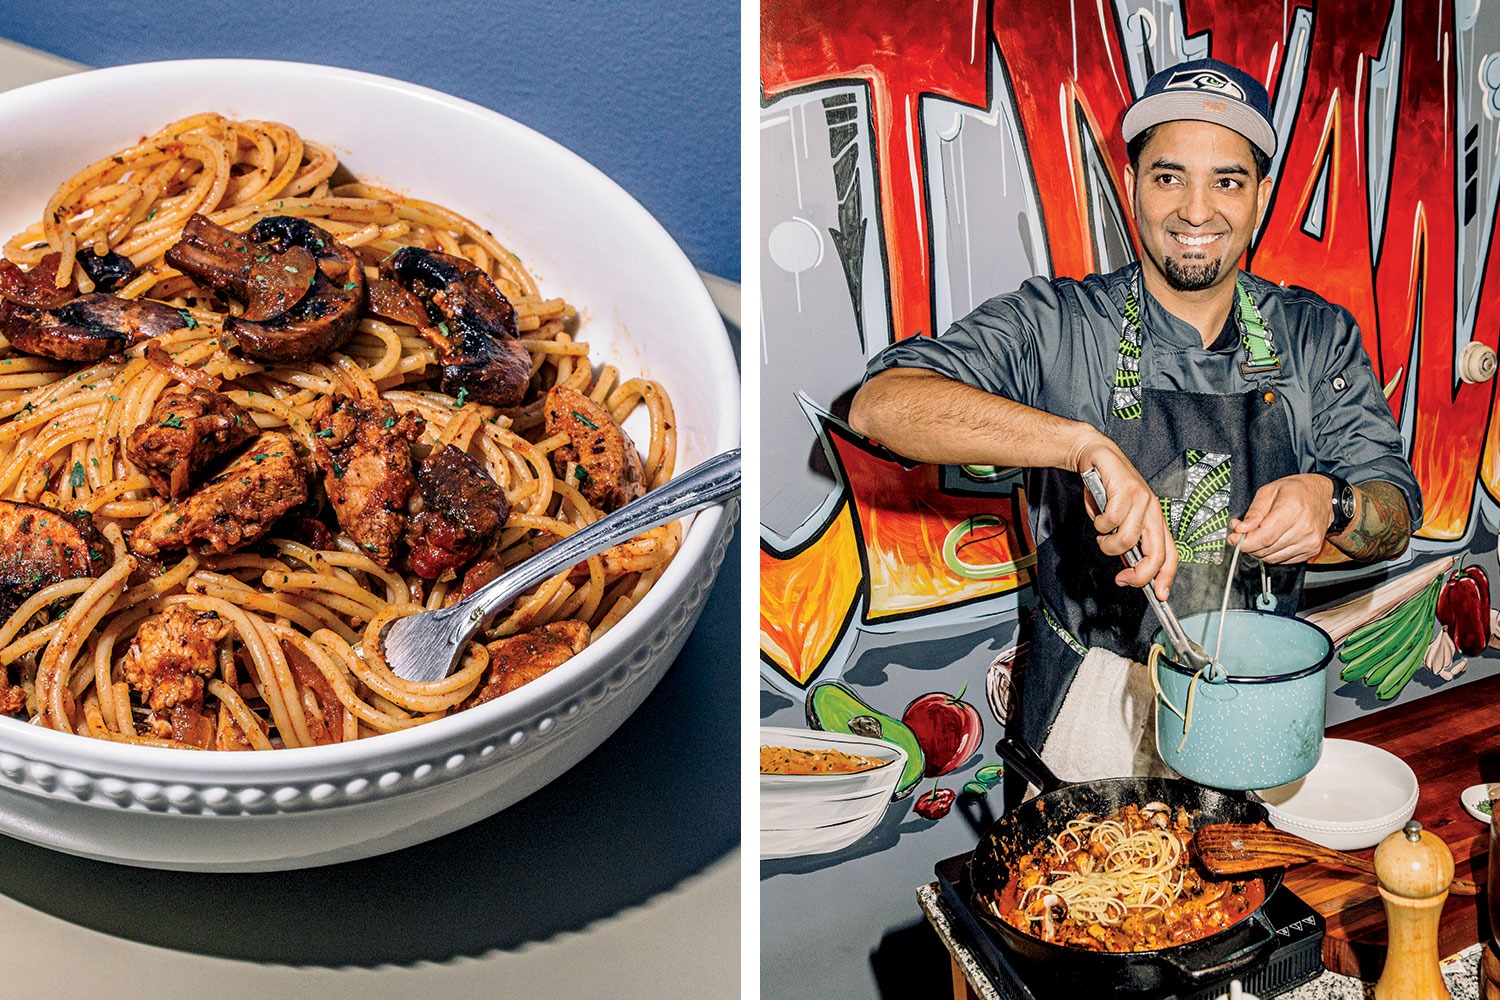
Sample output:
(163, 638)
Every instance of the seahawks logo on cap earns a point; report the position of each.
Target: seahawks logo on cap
(1205, 79)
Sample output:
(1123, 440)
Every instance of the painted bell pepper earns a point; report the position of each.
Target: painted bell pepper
(1464, 608)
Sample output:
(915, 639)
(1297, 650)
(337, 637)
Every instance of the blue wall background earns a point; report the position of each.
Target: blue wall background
(647, 92)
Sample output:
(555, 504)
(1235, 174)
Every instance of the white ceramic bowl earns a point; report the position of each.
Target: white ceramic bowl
(642, 304)
(803, 814)
(1354, 798)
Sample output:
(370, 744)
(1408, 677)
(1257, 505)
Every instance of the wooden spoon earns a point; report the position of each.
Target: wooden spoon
(1235, 848)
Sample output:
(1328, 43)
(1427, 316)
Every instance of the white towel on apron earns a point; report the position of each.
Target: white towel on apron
(1106, 727)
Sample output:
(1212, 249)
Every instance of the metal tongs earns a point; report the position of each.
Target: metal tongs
(1192, 653)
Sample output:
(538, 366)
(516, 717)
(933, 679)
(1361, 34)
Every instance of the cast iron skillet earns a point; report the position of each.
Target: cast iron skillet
(1216, 957)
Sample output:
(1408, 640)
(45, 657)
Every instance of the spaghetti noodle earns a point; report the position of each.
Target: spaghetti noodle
(1120, 883)
(293, 616)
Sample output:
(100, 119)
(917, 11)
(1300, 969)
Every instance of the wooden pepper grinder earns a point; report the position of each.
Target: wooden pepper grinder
(1415, 869)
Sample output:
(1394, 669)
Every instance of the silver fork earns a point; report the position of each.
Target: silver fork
(426, 646)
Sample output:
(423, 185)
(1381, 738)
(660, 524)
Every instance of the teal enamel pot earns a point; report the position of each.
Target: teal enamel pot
(1258, 722)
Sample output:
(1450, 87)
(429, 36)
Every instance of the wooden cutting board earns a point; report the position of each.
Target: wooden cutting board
(1451, 740)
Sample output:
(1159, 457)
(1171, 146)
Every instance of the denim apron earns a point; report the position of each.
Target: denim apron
(1204, 455)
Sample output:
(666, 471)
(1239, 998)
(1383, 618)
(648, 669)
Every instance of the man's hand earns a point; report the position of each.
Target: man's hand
(1132, 516)
(1287, 519)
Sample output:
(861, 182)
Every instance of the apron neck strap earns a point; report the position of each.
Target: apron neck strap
(1260, 365)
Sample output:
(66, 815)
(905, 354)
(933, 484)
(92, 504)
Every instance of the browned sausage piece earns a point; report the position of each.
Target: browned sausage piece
(235, 508)
(168, 659)
(461, 510)
(520, 659)
(601, 460)
(188, 429)
(365, 454)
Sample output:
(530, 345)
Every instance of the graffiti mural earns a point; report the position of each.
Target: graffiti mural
(916, 161)
(1385, 202)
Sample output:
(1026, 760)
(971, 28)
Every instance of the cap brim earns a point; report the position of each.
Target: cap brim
(1198, 106)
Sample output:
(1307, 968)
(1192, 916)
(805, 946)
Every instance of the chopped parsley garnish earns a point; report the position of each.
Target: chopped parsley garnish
(443, 329)
(187, 319)
(351, 286)
(463, 394)
(76, 479)
(326, 432)
(587, 422)
(173, 420)
(289, 269)
(581, 474)
(338, 472)
(261, 457)
(389, 423)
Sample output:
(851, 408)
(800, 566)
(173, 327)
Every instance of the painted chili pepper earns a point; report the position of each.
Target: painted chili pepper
(1464, 607)
(936, 803)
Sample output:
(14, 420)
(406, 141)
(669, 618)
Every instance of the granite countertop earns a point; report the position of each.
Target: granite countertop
(1460, 972)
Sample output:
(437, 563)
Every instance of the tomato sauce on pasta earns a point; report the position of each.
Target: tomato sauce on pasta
(292, 658)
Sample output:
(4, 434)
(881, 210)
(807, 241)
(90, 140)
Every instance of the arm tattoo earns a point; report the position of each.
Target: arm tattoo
(1381, 525)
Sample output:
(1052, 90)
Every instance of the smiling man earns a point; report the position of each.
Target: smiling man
(1216, 407)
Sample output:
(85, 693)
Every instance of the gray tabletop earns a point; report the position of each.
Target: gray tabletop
(603, 884)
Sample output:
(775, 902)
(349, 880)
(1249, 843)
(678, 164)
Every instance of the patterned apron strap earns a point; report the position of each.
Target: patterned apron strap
(1062, 630)
(1261, 364)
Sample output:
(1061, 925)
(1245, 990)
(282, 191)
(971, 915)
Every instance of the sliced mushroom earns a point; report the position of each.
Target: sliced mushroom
(86, 328)
(36, 288)
(302, 289)
(476, 334)
(40, 546)
(108, 272)
(387, 298)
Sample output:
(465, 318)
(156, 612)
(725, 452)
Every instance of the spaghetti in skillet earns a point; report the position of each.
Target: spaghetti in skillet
(1125, 882)
(251, 409)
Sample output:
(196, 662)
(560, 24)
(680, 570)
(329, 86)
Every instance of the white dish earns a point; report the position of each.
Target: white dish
(643, 305)
(1354, 797)
(1476, 800)
(803, 814)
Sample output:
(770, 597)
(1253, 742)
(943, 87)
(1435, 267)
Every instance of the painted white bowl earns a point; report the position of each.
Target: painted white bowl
(1355, 797)
(802, 814)
(642, 304)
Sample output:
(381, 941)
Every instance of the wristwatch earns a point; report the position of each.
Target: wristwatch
(1343, 504)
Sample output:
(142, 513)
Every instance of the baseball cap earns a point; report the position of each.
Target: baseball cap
(1205, 90)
